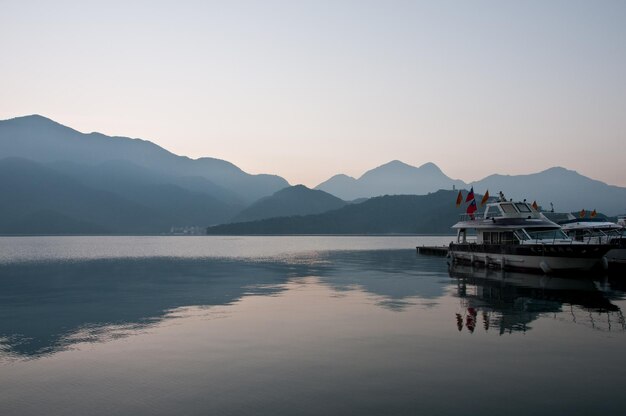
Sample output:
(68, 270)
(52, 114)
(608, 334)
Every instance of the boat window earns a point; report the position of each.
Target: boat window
(493, 211)
(522, 207)
(579, 235)
(507, 237)
(508, 208)
(546, 234)
(490, 237)
(521, 235)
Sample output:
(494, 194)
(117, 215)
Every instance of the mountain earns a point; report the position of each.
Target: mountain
(393, 178)
(399, 214)
(184, 200)
(43, 140)
(566, 189)
(39, 200)
(295, 200)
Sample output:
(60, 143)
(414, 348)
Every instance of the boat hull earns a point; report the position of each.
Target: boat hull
(537, 257)
(617, 259)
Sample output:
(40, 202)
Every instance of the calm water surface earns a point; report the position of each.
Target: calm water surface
(297, 325)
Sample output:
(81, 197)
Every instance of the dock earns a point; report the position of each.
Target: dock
(433, 250)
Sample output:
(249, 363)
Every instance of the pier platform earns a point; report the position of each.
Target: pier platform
(433, 250)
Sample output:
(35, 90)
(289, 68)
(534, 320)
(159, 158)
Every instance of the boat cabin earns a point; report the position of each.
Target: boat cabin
(508, 222)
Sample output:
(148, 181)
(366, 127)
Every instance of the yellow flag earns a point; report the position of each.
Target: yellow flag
(485, 198)
(593, 213)
(459, 199)
(583, 213)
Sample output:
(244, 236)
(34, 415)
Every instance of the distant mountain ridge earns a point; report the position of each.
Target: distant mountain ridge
(393, 178)
(56, 180)
(39, 200)
(398, 214)
(42, 140)
(295, 200)
(566, 189)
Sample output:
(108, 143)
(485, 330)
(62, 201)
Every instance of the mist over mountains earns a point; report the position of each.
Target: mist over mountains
(393, 178)
(42, 140)
(566, 189)
(397, 214)
(56, 180)
(295, 200)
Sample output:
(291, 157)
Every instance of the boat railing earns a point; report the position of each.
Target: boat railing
(556, 236)
(598, 236)
(472, 217)
(547, 237)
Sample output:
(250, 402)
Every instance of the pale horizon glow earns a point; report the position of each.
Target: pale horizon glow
(310, 89)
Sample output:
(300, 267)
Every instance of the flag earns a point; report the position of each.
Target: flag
(471, 208)
(535, 206)
(459, 199)
(582, 213)
(485, 198)
(593, 213)
(470, 196)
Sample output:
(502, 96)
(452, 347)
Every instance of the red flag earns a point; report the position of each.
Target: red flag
(582, 213)
(485, 198)
(470, 196)
(593, 213)
(535, 206)
(459, 199)
(472, 208)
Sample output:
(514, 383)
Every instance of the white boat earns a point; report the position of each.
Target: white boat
(598, 231)
(514, 235)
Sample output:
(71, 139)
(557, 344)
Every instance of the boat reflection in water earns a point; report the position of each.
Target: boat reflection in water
(507, 301)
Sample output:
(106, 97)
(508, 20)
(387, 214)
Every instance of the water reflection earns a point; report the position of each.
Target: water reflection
(47, 306)
(397, 278)
(509, 302)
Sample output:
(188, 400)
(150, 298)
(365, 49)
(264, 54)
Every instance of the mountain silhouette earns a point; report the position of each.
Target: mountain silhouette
(295, 200)
(393, 178)
(398, 214)
(42, 140)
(39, 200)
(566, 189)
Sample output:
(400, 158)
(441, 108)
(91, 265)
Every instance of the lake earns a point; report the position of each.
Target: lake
(297, 326)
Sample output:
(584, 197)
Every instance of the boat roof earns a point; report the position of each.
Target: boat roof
(590, 224)
(506, 215)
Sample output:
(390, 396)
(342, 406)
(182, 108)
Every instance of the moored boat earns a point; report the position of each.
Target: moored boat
(514, 235)
(598, 231)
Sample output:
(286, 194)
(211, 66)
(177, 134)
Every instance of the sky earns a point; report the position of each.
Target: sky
(309, 89)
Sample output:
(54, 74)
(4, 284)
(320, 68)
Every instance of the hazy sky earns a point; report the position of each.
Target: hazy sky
(308, 89)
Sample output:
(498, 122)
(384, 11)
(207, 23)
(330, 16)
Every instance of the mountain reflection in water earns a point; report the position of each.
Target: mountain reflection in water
(507, 301)
(50, 305)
